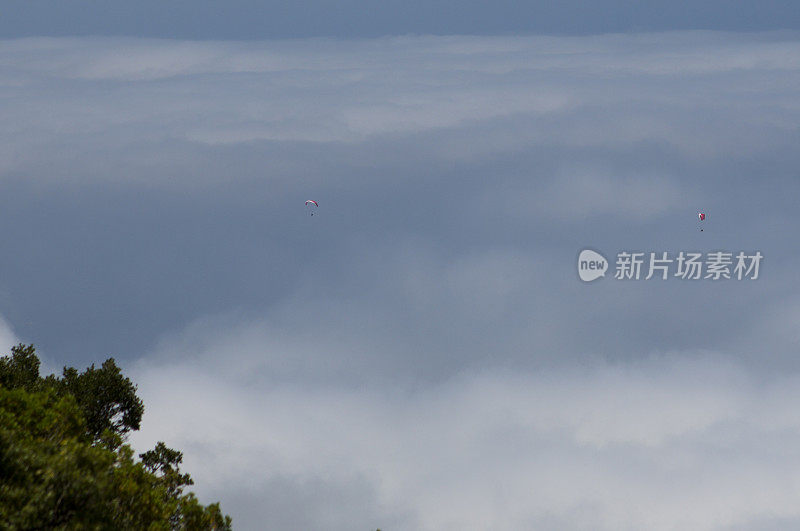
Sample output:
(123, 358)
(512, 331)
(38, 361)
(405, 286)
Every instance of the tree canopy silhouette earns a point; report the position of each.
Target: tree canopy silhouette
(64, 463)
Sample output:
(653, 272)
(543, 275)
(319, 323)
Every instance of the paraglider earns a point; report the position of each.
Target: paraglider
(311, 206)
(702, 217)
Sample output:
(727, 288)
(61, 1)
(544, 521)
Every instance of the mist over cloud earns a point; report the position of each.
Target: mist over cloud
(683, 440)
(7, 337)
(420, 354)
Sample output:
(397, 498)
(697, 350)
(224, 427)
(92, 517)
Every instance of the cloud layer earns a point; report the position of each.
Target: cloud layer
(244, 19)
(421, 354)
(683, 440)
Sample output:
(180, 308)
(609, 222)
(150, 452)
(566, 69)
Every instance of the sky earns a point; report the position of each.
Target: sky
(270, 19)
(421, 353)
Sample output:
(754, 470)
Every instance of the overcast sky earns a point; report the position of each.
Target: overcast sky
(269, 19)
(420, 354)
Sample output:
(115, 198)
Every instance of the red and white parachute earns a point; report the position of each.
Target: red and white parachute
(311, 206)
(701, 216)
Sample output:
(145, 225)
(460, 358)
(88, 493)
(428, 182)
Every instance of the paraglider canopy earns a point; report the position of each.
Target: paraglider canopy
(701, 216)
(311, 205)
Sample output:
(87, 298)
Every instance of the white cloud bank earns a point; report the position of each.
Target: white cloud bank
(704, 94)
(679, 441)
(7, 337)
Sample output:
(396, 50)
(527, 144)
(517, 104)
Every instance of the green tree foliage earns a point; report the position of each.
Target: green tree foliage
(63, 464)
(187, 513)
(108, 399)
(21, 369)
(164, 463)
